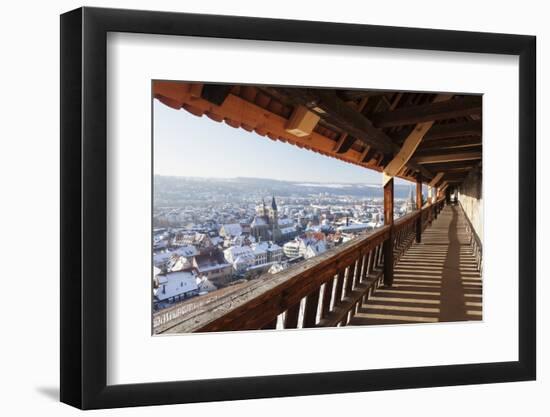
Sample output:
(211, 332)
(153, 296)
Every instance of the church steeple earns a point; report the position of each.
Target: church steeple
(273, 204)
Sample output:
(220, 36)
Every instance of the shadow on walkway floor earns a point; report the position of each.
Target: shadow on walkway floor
(434, 281)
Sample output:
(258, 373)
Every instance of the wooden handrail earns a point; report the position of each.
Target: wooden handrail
(165, 318)
(407, 218)
(313, 290)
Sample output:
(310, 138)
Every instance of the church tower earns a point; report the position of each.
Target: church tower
(274, 221)
(273, 204)
(261, 211)
(273, 213)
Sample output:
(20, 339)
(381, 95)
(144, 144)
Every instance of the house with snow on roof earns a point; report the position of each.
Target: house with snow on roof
(175, 286)
(231, 230)
(214, 266)
(205, 285)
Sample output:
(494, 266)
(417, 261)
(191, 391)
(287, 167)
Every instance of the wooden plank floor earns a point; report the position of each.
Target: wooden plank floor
(434, 281)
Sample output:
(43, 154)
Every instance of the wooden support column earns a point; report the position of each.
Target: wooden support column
(430, 194)
(388, 244)
(419, 207)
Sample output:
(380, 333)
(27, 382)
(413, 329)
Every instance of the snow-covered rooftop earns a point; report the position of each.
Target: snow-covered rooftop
(187, 251)
(176, 284)
(354, 227)
(258, 221)
(233, 229)
(285, 222)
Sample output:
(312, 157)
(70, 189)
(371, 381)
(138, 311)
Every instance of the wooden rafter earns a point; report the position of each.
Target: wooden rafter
(411, 143)
(236, 112)
(452, 170)
(350, 120)
(456, 176)
(446, 151)
(361, 127)
(346, 141)
(436, 179)
(453, 130)
(302, 122)
(450, 143)
(215, 93)
(448, 157)
(429, 112)
(364, 154)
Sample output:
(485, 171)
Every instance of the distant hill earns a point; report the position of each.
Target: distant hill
(266, 186)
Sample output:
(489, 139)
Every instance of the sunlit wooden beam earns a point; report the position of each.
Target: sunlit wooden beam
(436, 179)
(411, 143)
(338, 113)
(302, 122)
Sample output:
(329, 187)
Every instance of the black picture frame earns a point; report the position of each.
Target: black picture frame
(84, 207)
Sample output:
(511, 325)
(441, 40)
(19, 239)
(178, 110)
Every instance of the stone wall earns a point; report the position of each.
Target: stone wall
(470, 196)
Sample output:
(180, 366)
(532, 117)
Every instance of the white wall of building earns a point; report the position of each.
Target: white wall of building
(470, 196)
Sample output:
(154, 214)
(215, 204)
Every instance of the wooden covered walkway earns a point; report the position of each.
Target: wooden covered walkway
(422, 267)
(435, 280)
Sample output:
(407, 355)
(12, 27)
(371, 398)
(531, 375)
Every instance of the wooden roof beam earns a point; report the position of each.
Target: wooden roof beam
(350, 120)
(346, 141)
(452, 176)
(449, 109)
(359, 94)
(452, 151)
(302, 122)
(359, 126)
(216, 93)
(450, 168)
(450, 143)
(448, 157)
(453, 130)
(436, 179)
(411, 143)
(338, 113)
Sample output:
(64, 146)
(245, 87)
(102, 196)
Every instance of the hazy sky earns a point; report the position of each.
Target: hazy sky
(187, 145)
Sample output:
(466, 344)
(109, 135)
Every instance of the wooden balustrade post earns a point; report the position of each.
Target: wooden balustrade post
(419, 207)
(437, 205)
(388, 244)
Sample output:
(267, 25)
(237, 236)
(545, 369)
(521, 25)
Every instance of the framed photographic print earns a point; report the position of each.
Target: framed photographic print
(258, 208)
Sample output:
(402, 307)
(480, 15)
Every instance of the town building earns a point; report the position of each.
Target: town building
(175, 286)
(213, 266)
(231, 230)
(201, 241)
(265, 225)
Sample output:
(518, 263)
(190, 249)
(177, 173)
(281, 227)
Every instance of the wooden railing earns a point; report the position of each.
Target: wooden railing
(404, 233)
(165, 318)
(475, 242)
(430, 212)
(323, 291)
